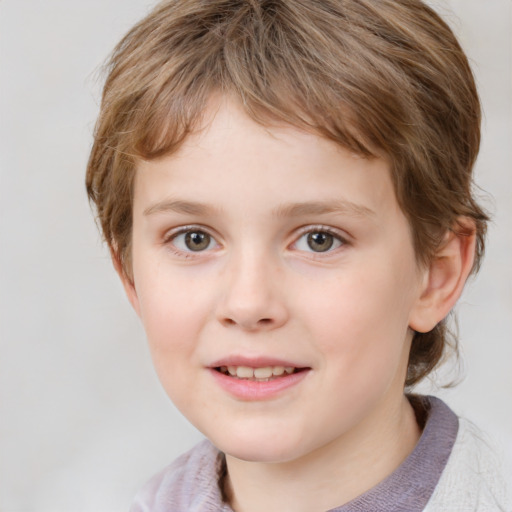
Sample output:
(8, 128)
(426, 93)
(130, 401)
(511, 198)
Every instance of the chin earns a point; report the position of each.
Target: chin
(268, 448)
(272, 455)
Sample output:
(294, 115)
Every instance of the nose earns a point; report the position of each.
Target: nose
(253, 295)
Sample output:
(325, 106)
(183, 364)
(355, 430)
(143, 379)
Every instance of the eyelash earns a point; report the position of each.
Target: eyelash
(306, 230)
(170, 237)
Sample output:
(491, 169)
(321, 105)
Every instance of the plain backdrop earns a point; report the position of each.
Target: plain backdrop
(83, 420)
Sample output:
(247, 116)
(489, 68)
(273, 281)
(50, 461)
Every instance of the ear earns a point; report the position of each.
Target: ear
(127, 280)
(445, 277)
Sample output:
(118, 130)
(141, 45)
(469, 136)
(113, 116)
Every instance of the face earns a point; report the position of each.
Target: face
(275, 277)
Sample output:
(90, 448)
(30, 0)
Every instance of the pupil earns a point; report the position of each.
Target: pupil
(197, 240)
(320, 242)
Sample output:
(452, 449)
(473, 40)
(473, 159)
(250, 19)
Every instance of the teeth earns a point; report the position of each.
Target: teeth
(244, 372)
(263, 374)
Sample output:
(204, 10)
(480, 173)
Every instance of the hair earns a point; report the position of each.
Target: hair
(382, 78)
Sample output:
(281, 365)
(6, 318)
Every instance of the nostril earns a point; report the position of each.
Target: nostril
(261, 323)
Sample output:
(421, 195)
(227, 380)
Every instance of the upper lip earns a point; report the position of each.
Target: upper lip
(254, 362)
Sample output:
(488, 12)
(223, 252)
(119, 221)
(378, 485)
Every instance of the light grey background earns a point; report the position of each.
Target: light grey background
(83, 421)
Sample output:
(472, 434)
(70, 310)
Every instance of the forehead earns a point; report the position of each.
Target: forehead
(231, 153)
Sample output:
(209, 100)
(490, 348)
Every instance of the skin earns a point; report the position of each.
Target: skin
(259, 289)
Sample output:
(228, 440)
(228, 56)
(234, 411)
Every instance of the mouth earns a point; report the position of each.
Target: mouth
(257, 378)
(261, 374)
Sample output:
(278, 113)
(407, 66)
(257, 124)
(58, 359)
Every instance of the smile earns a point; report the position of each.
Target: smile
(263, 374)
(261, 381)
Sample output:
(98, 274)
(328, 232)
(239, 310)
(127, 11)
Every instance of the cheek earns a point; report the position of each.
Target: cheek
(364, 350)
(173, 310)
(173, 315)
(361, 321)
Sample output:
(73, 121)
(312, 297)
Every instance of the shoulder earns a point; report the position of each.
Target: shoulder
(473, 477)
(190, 482)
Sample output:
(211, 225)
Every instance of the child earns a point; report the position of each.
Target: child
(286, 190)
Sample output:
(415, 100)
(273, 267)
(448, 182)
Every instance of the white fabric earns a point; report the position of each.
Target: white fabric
(472, 480)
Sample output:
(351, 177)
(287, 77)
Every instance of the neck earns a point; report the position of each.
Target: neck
(332, 475)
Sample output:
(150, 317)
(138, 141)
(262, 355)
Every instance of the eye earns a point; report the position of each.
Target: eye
(318, 241)
(193, 240)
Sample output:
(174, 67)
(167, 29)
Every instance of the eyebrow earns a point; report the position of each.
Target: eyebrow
(342, 206)
(287, 210)
(178, 206)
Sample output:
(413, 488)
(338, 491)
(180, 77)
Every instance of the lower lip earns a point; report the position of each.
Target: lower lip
(254, 390)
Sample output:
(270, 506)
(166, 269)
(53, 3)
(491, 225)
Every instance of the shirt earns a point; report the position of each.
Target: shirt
(451, 469)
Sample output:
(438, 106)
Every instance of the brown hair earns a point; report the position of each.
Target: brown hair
(379, 77)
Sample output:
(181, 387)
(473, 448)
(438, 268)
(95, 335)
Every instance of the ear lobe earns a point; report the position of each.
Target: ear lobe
(445, 277)
(126, 280)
